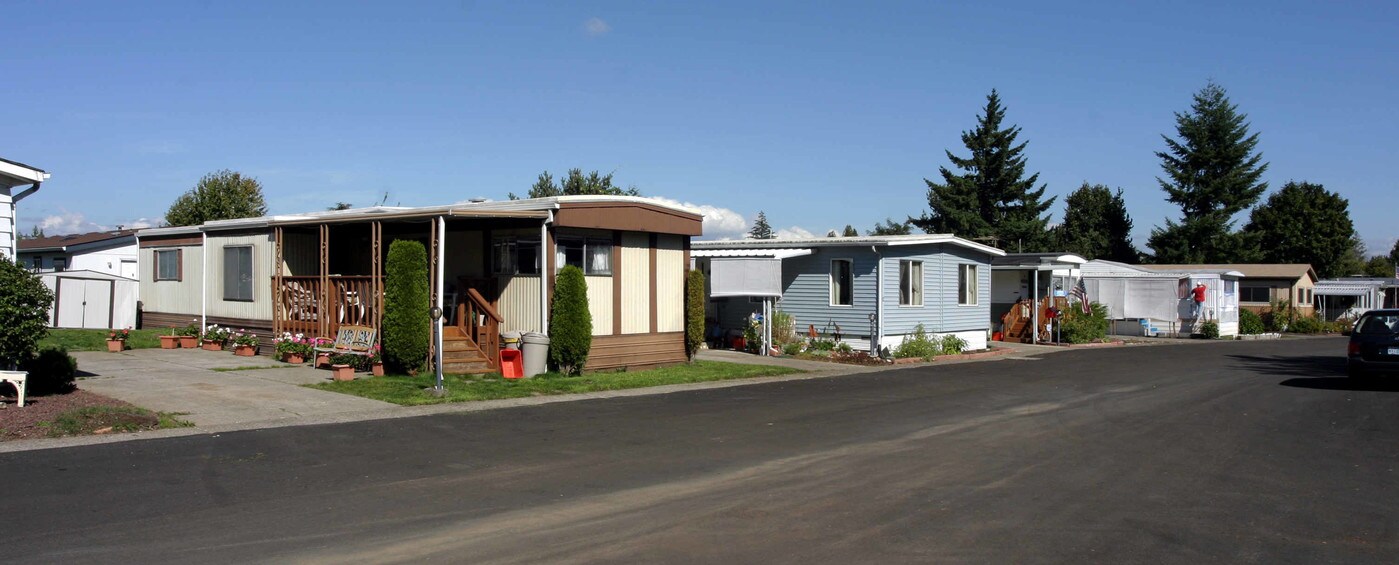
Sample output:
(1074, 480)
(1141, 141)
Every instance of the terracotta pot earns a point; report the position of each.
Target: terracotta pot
(115, 345)
(322, 360)
(245, 350)
(169, 342)
(377, 369)
(211, 345)
(342, 372)
(294, 358)
(189, 342)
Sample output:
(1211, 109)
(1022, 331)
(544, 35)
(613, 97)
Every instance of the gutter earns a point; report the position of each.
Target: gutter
(26, 192)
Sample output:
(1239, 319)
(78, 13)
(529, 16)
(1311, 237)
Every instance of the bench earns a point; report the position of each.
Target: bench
(16, 378)
(352, 340)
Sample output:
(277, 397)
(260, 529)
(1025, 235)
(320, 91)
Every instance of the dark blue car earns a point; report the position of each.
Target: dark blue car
(1374, 344)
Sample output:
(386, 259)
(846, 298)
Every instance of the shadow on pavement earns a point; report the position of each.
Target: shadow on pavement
(1376, 384)
(1297, 366)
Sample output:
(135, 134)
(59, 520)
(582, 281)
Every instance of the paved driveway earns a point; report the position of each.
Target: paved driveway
(183, 380)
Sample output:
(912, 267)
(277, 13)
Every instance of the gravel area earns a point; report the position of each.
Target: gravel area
(23, 423)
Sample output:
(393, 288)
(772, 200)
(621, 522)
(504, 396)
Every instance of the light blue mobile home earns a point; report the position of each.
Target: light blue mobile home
(874, 288)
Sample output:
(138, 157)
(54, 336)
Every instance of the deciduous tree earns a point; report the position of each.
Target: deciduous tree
(220, 195)
(576, 183)
(889, 227)
(1303, 223)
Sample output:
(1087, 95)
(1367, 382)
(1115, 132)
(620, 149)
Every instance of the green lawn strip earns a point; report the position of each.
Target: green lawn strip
(252, 368)
(408, 391)
(96, 340)
(86, 421)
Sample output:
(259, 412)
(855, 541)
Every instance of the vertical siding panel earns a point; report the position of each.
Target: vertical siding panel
(600, 303)
(172, 297)
(261, 306)
(636, 283)
(519, 303)
(670, 284)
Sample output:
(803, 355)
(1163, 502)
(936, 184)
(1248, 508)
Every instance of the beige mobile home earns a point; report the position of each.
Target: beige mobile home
(492, 266)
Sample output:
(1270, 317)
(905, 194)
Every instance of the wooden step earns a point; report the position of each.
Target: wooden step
(457, 344)
(464, 368)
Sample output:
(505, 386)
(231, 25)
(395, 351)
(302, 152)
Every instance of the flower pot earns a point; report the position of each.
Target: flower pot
(294, 358)
(115, 345)
(342, 372)
(322, 360)
(245, 350)
(377, 369)
(189, 342)
(211, 345)
(169, 341)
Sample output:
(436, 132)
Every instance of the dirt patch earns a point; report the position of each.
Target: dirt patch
(35, 418)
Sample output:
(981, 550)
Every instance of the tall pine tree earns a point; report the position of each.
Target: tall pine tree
(991, 198)
(1096, 225)
(1212, 173)
(761, 229)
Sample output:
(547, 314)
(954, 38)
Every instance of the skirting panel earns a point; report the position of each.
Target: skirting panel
(636, 351)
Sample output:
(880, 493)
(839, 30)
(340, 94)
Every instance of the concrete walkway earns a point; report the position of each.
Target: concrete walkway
(184, 381)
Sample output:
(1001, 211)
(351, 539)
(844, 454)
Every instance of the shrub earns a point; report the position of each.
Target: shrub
(359, 362)
(753, 336)
(570, 322)
(24, 304)
(784, 329)
(1077, 327)
(917, 344)
(1307, 325)
(821, 345)
(1279, 316)
(1250, 323)
(1209, 329)
(52, 371)
(694, 313)
(792, 348)
(844, 348)
(407, 326)
(952, 345)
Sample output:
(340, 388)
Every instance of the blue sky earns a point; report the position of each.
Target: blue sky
(821, 115)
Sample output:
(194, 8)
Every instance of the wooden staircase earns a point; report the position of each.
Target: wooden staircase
(472, 346)
(461, 356)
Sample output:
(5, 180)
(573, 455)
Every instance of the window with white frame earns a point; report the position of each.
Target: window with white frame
(842, 279)
(1228, 287)
(516, 256)
(910, 283)
(238, 273)
(592, 255)
(1304, 296)
(968, 285)
(167, 264)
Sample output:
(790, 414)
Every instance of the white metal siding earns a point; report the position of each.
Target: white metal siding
(7, 223)
(670, 284)
(260, 308)
(172, 297)
(636, 283)
(519, 303)
(600, 303)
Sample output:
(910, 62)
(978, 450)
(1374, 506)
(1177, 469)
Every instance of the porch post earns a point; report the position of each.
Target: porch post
(1035, 314)
(546, 278)
(323, 313)
(277, 283)
(440, 259)
(376, 235)
(434, 245)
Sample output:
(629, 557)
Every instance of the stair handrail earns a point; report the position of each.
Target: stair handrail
(485, 336)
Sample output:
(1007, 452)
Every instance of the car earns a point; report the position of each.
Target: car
(1374, 344)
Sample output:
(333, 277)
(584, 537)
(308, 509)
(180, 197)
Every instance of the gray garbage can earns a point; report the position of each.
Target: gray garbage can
(510, 340)
(535, 350)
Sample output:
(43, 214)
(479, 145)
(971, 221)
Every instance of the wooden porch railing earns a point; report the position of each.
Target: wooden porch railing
(307, 308)
(478, 320)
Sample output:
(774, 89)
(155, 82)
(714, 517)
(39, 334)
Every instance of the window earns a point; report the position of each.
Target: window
(842, 279)
(592, 255)
(38, 262)
(1228, 287)
(515, 256)
(910, 283)
(1304, 296)
(967, 285)
(60, 263)
(238, 273)
(1255, 294)
(167, 264)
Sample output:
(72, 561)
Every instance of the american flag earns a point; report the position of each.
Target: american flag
(1081, 293)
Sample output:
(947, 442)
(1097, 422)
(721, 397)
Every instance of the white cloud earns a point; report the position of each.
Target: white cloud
(66, 223)
(595, 27)
(794, 232)
(139, 224)
(719, 223)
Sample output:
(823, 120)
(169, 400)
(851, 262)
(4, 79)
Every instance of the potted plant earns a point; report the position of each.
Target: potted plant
(343, 366)
(376, 361)
(171, 341)
(116, 340)
(292, 348)
(244, 343)
(189, 335)
(322, 357)
(215, 337)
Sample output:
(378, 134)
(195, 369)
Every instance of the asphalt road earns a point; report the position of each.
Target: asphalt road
(1224, 452)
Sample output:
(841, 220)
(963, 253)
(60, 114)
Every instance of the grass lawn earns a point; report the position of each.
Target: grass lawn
(96, 340)
(408, 391)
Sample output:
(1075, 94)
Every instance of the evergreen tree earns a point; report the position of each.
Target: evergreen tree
(891, 228)
(577, 183)
(694, 313)
(407, 324)
(1303, 223)
(1379, 266)
(570, 322)
(1212, 173)
(35, 232)
(221, 195)
(850, 231)
(761, 229)
(1096, 225)
(1393, 252)
(992, 197)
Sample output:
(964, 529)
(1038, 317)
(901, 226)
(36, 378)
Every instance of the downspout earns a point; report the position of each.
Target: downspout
(25, 193)
(14, 218)
(878, 334)
(438, 285)
(203, 280)
(544, 276)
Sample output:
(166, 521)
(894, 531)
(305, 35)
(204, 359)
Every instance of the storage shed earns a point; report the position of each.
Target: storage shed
(91, 300)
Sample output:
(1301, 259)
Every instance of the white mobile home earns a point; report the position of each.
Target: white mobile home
(13, 175)
(1143, 301)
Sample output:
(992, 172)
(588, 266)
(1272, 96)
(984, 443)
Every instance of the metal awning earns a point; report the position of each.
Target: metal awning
(767, 253)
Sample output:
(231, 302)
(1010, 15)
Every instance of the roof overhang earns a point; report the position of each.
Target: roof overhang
(856, 241)
(1037, 262)
(784, 253)
(14, 174)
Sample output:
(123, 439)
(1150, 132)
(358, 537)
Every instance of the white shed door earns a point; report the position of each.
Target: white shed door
(84, 304)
